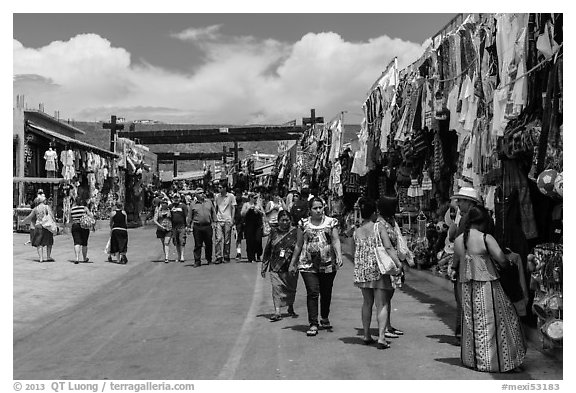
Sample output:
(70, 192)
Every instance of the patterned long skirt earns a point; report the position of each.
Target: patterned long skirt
(492, 338)
(283, 288)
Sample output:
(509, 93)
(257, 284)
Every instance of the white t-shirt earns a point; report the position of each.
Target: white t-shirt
(224, 207)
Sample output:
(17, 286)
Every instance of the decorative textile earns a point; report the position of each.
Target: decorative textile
(279, 250)
(284, 287)
(492, 339)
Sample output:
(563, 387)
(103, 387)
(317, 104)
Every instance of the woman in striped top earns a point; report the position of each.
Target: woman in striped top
(79, 234)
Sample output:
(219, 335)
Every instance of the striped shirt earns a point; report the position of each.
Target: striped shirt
(76, 213)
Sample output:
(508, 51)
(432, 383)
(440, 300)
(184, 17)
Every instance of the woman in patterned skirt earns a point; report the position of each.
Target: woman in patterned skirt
(492, 338)
(376, 287)
(276, 259)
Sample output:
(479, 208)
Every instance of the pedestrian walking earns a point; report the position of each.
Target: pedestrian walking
(273, 207)
(80, 216)
(276, 260)
(317, 256)
(119, 233)
(376, 287)
(202, 218)
(300, 207)
(492, 339)
(253, 216)
(179, 216)
(163, 221)
(43, 225)
(225, 204)
(239, 221)
(387, 207)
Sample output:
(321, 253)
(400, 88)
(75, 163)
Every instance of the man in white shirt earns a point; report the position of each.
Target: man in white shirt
(225, 204)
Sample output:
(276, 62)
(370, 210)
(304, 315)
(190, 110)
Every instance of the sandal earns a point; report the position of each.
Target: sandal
(275, 318)
(382, 345)
(396, 331)
(389, 334)
(291, 313)
(370, 341)
(312, 331)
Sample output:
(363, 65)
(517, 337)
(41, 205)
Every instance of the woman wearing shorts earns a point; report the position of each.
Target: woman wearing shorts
(163, 221)
(79, 234)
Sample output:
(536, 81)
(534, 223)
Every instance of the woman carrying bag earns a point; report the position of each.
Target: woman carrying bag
(370, 276)
(42, 220)
(489, 320)
(82, 220)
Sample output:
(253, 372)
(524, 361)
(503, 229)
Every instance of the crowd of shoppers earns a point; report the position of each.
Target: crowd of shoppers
(304, 241)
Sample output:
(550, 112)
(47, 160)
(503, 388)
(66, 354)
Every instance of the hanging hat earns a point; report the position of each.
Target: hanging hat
(468, 193)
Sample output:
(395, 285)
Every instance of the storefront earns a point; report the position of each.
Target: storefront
(49, 157)
(481, 108)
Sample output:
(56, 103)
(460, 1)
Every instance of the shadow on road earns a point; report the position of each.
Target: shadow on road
(444, 339)
(445, 312)
(298, 328)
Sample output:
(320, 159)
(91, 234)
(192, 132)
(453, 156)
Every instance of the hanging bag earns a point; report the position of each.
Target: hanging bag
(385, 263)
(48, 222)
(86, 222)
(509, 278)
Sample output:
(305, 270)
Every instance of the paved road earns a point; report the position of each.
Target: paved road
(150, 320)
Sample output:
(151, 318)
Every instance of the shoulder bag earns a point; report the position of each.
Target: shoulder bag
(86, 222)
(48, 222)
(385, 263)
(509, 278)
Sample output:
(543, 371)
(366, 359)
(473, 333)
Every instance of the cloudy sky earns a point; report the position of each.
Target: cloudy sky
(210, 68)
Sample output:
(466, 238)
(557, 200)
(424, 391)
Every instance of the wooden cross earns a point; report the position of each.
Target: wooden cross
(312, 120)
(113, 127)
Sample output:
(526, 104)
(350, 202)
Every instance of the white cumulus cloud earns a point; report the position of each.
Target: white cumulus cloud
(242, 80)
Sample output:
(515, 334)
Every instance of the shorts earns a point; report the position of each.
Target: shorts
(162, 234)
(80, 235)
(179, 236)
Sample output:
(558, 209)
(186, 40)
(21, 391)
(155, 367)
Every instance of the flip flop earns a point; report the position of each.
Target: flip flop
(368, 342)
(275, 318)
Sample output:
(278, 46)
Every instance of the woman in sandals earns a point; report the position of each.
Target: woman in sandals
(277, 257)
(163, 221)
(80, 235)
(317, 256)
(387, 207)
(375, 287)
(41, 237)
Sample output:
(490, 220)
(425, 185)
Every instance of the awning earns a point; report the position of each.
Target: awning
(41, 180)
(66, 139)
(192, 175)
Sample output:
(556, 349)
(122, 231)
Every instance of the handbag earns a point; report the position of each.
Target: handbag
(385, 263)
(86, 221)
(509, 278)
(48, 223)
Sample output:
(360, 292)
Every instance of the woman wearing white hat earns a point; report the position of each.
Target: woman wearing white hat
(42, 220)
